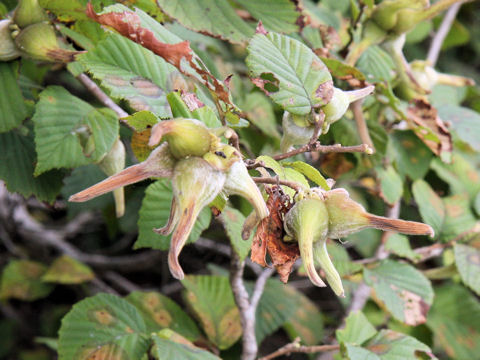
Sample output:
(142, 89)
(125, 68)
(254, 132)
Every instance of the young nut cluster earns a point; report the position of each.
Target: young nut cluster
(318, 215)
(199, 166)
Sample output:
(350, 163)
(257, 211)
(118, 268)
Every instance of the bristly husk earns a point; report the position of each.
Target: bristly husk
(195, 184)
(159, 164)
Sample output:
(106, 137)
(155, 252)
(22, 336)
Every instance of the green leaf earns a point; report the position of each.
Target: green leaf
(290, 72)
(391, 185)
(341, 260)
(17, 159)
(155, 212)
(66, 270)
(400, 245)
(455, 321)
(217, 18)
(141, 120)
(458, 35)
(130, 72)
(357, 329)
(467, 259)
(63, 122)
(412, 156)
(178, 106)
(461, 175)
(359, 353)
(232, 220)
(391, 345)
(340, 70)
(405, 291)
(459, 218)
(310, 172)
(104, 326)
(21, 279)
(276, 306)
(165, 348)
(306, 322)
(465, 122)
(260, 112)
(276, 15)
(430, 205)
(160, 312)
(211, 299)
(12, 107)
(376, 64)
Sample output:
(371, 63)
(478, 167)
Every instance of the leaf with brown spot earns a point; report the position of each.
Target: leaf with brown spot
(467, 259)
(159, 312)
(389, 344)
(180, 55)
(424, 120)
(66, 270)
(270, 233)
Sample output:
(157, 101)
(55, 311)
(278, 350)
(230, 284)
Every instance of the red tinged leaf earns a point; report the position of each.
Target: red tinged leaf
(270, 233)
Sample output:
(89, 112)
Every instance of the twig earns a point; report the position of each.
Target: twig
(316, 146)
(275, 181)
(259, 287)
(247, 314)
(121, 282)
(441, 33)
(100, 95)
(356, 107)
(295, 347)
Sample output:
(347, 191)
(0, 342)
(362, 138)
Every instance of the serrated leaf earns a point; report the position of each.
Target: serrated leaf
(155, 212)
(160, 312)
(211, 299)
(17, 159)
(232, 221)
(168, 348)
(459, 218)
(465, 122)
(391, 345)
(430, 205)
(130, 72)
(455, 321)
(310, 172)
(276, 306)
(260, 112)
(461, 175)
(405, 291)
(12, 107)
(467, 259)
(391, 184)
(104, 326)
(306, 322)
(412, 156)
(357, 329)
(400, 245)
(66, 270)
(289, 72)
(376, 64)
(60, 120)
(21, 279)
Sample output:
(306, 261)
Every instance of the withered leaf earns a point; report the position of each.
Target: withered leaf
(269, 236)
(424, 120)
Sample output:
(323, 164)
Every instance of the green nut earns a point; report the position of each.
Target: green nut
(29, 12)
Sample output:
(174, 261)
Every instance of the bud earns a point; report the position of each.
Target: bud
(8, 49)
(337, 107)
(111, 164)
(297, 130)
(40, 42)
(239, 182)
(347, 217)
(195, 184)
(160, 163)
(186, 137)
(307, 222)
(29, 12)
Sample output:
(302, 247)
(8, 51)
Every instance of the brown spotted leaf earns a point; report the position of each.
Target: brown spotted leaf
(211, 300)
(170, 345)
(388, 344)
(159, 312)
(405, 291)
(138, 27)
(269, 236)
(467, 260)
(104, 326)
(428, 126)
(66, 270)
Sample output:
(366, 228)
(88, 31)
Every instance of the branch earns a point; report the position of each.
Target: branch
(295, 347)
(276, 181)
(259, 287)
(441, 34)
(247, 314)
(102, 97)
(356, 107)
(317, 147)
